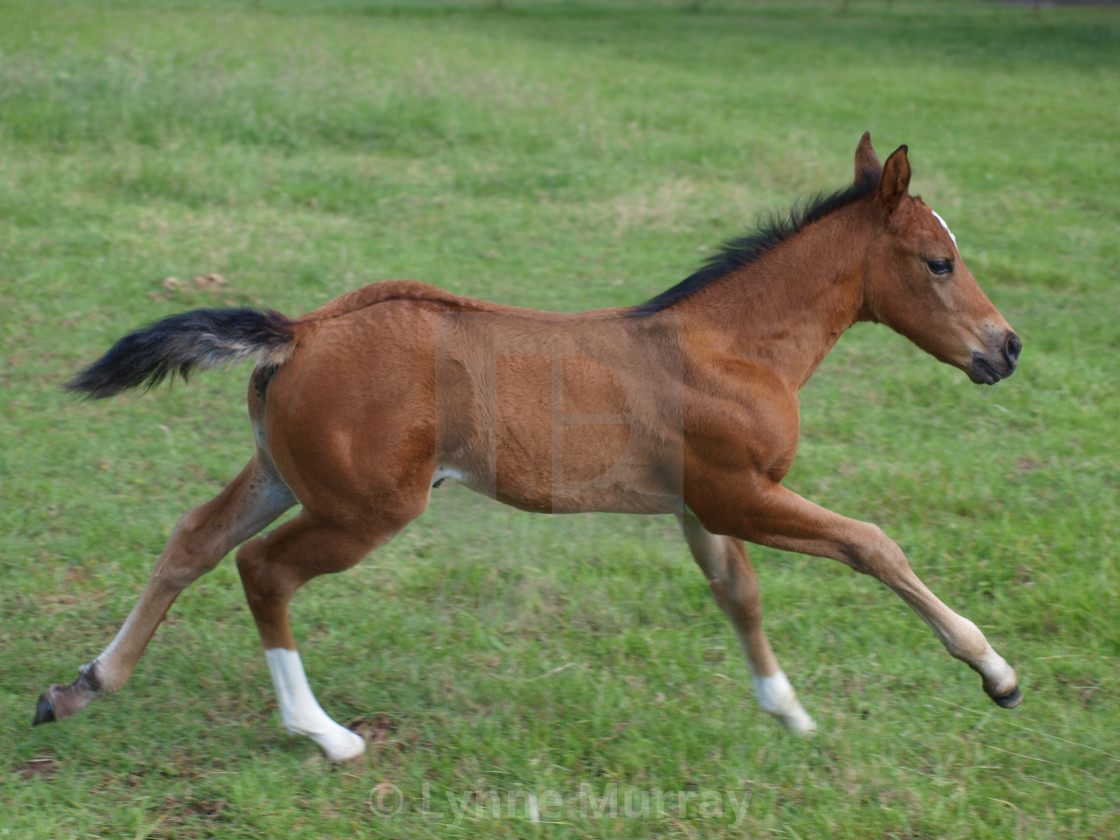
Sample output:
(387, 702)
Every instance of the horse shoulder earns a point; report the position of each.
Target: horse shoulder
(741, 428)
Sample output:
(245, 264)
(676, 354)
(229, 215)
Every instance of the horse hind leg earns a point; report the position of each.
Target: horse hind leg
(733, 582)
(272, 568)
(201, 538)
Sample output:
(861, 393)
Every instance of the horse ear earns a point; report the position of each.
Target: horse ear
(895, 180)
(868, 167)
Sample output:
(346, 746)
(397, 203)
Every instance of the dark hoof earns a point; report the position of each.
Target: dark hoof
(1011, 699)
(44, 710)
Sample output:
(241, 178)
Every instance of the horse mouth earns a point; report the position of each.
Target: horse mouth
(983, 372)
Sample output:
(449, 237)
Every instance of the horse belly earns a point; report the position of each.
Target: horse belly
(546, 463)
(551, 419)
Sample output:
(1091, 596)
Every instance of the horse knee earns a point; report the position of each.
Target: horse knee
(734, 585)
(740, 595)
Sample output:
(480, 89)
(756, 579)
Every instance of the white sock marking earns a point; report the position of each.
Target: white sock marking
(945, 225)
(776, 696)
(301, 711)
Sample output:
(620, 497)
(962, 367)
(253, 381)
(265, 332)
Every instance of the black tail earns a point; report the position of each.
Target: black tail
(204, 338)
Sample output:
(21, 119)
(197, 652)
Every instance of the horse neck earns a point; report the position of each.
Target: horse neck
(786, 309)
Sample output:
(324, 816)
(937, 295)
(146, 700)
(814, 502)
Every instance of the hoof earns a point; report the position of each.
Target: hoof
(1011, 699)
(798, 722)
(44, 709)
(343, 746)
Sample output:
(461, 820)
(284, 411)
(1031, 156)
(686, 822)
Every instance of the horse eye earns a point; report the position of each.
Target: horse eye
(940, 266)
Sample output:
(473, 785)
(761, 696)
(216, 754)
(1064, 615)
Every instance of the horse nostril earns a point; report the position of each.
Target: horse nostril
(1013, 348)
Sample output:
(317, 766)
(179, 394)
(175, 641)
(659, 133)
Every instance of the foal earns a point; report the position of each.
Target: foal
(686, 405)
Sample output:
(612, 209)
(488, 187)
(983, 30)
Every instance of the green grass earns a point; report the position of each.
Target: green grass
(569, 156)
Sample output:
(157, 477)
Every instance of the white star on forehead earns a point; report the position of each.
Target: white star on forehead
(945, 225)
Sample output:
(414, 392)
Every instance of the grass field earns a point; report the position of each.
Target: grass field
(562, 155)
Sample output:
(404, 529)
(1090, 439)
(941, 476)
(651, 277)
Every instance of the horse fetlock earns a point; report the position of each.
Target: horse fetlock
(777, 697)
(336, 741)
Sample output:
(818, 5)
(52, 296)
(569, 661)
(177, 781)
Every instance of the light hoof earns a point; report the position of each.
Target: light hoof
(1011, 699)
(798, 722)
(343, 745)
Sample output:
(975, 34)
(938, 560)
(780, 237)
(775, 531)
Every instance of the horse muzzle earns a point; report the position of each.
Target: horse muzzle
(990, 367)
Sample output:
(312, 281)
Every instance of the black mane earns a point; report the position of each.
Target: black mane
(771, 232)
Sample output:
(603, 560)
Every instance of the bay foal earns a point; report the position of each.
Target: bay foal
(684, 405)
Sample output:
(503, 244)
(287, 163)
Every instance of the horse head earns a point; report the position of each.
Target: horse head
(917, 283)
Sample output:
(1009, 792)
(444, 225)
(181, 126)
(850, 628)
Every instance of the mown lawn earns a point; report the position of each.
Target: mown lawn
(525, 676)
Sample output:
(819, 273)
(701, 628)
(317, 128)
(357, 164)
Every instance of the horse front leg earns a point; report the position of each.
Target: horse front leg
(779, 518)
(734, 585)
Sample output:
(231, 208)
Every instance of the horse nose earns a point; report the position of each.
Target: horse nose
(1012, 348)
